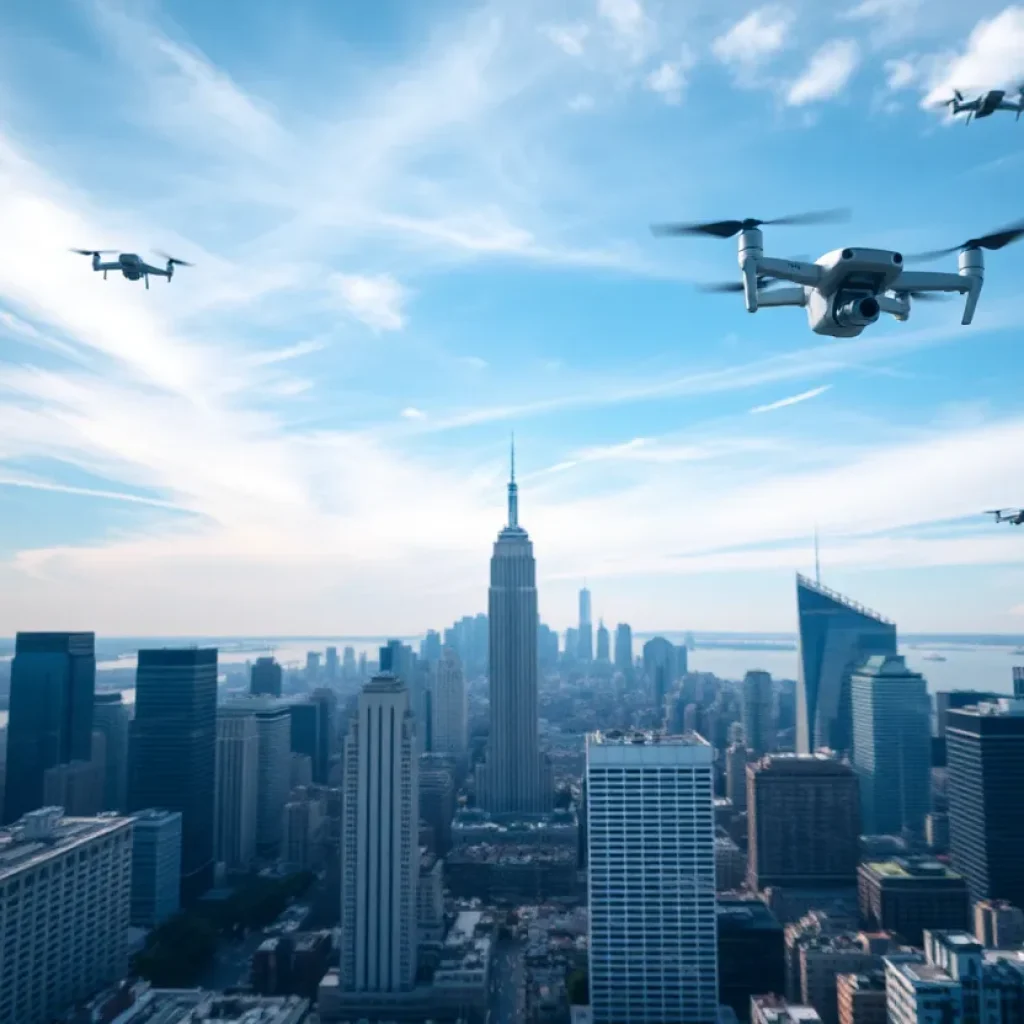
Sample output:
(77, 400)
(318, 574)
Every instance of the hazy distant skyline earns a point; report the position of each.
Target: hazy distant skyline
(419, 226)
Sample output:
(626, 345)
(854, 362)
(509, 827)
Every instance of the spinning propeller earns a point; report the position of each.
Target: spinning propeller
(93, 252)
(172, 259)
(728, 228)
(996, 240)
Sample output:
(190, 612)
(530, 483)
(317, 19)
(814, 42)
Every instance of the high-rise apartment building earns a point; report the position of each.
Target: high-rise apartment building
(985, 789)
(111, 717)
(892, 746)
(624, 649)
(803, 822)
(173, 751)
(449, 710)
(238, 758)
(156, 867)
(586, 628)
(273, 773)
(836, 636)
(512, 774)
(651, 870)
(64, 911)
(758, 713)
(380, 846)
(602, 642)
(265, 678)
(53, 679)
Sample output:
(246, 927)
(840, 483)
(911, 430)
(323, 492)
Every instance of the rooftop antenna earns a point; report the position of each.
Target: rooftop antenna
(513, 491)
(817, 562)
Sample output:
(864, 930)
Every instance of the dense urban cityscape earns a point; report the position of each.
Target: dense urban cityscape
(512, 826)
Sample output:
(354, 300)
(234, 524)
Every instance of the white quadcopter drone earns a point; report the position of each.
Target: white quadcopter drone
(845, 290)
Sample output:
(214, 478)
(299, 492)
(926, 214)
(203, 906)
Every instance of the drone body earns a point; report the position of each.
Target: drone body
(1014, 516)
(846, 290)
(986, 104)
(132, 266)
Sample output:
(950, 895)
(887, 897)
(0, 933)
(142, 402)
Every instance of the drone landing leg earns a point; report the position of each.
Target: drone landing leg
(147, 282)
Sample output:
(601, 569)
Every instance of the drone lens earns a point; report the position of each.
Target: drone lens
(869, 307)
(897, 257)
(847, 254)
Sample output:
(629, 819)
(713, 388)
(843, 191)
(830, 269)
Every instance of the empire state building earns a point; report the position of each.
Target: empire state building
(512, 780)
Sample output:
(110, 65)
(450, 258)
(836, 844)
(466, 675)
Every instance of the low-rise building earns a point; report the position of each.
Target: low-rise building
(775, 1010)
(521, 874)
(998, 924)
(472, 826)
(751, 953)
(861, 998)
(194, 1006)
(908, 895)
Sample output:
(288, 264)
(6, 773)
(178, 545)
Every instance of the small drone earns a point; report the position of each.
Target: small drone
(986, 104)
(1014, 516)
(133, 267)
(845, 290)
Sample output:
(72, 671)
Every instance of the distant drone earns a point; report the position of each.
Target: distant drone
(986, 104)
(1014, 516)
(133, 267)
(845, 290)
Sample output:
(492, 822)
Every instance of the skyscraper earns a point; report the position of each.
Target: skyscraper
(449, 709)
(430, 646)
(602, 642)
(331, 664)
(111, 717)
(513, 769)
(836, 636)
(156, 867)
(624, 649)
(266, 678)
(53, 679)
(803, 823)
(660, 669)
(758, 713)
(586, 634)
(380, 852)
(305, 735)
(985, 788)
(651, 871)
(173, 751)
(238, 758)
(891, 745)
(273, 774)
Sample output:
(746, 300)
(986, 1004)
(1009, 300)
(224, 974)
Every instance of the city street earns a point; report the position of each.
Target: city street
(231, 966)
(508, 983)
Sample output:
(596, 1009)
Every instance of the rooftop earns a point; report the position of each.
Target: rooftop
(44, 834)
(832, 595)
(646, 737)
(194, 1006)
(909, 868)
(921, 973)
(745, 915)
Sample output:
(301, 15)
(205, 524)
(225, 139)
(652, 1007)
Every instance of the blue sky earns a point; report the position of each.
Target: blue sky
(420, 226)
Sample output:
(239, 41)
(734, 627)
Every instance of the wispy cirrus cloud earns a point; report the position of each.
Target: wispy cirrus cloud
(377, 300)
(782, 403)
(827, 73)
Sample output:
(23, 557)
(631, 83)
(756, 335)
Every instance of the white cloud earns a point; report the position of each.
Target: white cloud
(755, 39)
(568, 38)
(826, 74)
(669, 79)
(993, 58)
(782, 403)
(281, 355)
(631, 29)
(868, 10)
(377, 300)
(412, 413)
(580, 102)
(900, 73)
(473, 362)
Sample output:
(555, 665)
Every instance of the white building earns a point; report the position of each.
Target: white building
(449, 709)
(380, 845)
(273, 775)
(918, 992)
(651, 870)
(65, 887)
(238, 751)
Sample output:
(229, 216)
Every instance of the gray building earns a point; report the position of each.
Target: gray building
(624, 649)
(511, 779)
(585, 651)
(265, 679)
(53, 679)
(173, 751)
(891, 746)
(112, 718)
(660, 660)
(156, 867)
(758, 713)
(273, 772)
(238, 758)
(837, 636)
(603, 644)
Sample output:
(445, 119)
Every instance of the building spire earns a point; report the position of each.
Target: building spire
(513, 491)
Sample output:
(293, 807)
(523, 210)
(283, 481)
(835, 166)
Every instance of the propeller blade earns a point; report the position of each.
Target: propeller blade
(172, 259)
(929, 296)
(994, 241)
(92, 252)
(728, 228)
(725, 287)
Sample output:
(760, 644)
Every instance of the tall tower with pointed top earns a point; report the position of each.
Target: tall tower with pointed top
(513, 762)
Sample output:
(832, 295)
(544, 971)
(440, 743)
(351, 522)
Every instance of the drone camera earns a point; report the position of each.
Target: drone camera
(858, 312)
(897, 257)
(847, 254)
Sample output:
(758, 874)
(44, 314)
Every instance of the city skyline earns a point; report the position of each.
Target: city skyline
(246, 424)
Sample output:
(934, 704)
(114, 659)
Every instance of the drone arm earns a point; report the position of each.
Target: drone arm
(968, 282)
(898, 306)
(790, 270)
(782, 297)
